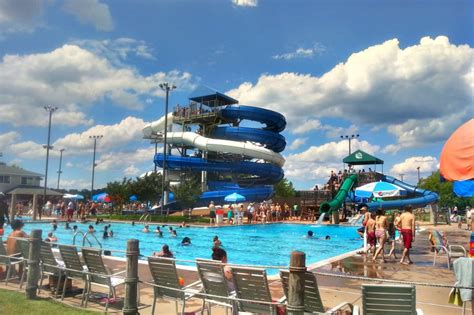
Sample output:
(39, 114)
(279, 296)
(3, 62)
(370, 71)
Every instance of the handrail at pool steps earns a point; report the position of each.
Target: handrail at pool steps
(145, 217)
(85, 238)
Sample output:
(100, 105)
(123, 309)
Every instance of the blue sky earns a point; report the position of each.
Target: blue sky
(399, 73)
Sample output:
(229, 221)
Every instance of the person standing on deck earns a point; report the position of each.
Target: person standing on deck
(407, 228)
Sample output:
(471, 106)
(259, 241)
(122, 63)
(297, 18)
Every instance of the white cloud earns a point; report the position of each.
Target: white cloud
(74, 184)
(379, 86)
(306, 126)
(73, 79)
(20, 16)
(115, 136)
(427, 164)
(316, 162)
(298, 142)
(91, 12)
(119, 160)
(117, 50)
(245, 3)
(131, 171)
(8, 138)
(69, 164)
(30, 150)
(301, 53)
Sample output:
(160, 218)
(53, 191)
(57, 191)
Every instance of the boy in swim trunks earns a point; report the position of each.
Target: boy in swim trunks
(407, 229)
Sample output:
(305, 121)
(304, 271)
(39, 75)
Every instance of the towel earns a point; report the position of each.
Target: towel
(463, 270)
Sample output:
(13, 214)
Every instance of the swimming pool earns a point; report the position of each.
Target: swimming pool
(269, 244)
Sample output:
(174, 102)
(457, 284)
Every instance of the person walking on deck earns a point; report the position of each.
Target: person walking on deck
(407, 228)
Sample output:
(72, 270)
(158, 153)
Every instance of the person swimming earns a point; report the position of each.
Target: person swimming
(158, 231)
(146, 229)
(74, 228)
(216, 241)
(67, 227)
(309, 234)
(327, 237)
(186, 241)
(173, 233)
(105, 234)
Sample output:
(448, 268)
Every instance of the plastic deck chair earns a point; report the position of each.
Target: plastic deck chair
(50, 266)
(312, 298)
(439, 244)
(163, 271)
(388, 299)
(9, 261)
(24, 246)
(101, 276)
(252, 284)
(75, 269)
(213, 280)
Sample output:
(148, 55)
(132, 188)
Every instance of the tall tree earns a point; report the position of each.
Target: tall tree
(187, 192)
(284, 189)
(119, 192)
(147, 188)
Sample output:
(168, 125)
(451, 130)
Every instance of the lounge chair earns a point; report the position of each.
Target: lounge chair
(9, 261)
(50, 266)
(75, 269)
(24, 247)
(163, 271)
(312, 298)
(101, 276)
(439, 244)
(388, 299)
(252, 284)
(214, 282)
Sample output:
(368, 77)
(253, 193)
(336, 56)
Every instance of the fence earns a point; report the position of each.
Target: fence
(296, 286)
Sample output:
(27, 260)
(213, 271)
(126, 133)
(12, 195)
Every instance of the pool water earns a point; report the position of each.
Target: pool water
(269, 244)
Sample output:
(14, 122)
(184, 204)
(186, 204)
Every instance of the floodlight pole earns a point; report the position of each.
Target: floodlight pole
(418, 169)
(60, 164)
(50, 109)
(95, 137)
(350, 138)
(167, 87)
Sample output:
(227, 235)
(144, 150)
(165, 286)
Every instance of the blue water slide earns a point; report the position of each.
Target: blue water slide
(274, 121)
(272, 140)
(422, 197)
(267, 173)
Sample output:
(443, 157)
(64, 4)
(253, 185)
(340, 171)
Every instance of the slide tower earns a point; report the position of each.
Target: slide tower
(234, 148)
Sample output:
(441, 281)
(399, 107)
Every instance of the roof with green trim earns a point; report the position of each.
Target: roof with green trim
(361, 158)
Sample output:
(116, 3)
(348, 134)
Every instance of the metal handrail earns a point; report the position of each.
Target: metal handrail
(144, 217)
(74, 238)
(85, 238)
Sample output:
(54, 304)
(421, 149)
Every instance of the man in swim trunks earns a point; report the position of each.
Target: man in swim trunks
(407, 229)
(370, 231)
(366, 214)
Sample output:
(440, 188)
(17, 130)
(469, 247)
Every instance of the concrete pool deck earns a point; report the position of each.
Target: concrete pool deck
(333, 290)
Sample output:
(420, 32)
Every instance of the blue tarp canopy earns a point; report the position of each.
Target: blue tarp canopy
(464, 188)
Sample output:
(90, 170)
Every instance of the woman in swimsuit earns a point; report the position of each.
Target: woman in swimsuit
(380, 233)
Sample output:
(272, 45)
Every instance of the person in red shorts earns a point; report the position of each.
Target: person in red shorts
(370, 231)
(407, 229)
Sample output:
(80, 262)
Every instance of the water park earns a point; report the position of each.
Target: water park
(270, 253)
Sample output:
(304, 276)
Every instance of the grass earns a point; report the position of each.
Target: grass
(12, 302)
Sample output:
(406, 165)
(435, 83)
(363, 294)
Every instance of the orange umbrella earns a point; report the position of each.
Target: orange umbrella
(457, 156)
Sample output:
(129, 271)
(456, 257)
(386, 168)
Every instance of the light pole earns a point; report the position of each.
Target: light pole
(95, 138)
(167, 87)
(418, 169)
(350, 138)
(50, 109)
(60, 164)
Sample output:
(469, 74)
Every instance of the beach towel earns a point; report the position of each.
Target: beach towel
(463, 268)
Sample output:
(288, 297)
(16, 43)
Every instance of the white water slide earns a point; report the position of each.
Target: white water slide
(214, 145)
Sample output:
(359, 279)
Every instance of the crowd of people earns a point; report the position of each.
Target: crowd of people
(263, 212)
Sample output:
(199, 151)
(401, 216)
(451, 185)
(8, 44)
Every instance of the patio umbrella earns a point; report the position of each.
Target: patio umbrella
(379, 190)
(235, 197)
(102, 197)
(133, 198)
(457, 160)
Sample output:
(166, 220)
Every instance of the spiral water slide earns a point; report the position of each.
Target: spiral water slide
(258, 146)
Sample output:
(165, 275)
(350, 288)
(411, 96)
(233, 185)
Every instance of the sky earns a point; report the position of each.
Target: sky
(398, 73)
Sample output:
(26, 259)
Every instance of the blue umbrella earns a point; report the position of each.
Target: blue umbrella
(133, 198)
(380, 190)
(101, 197)
(235, 197)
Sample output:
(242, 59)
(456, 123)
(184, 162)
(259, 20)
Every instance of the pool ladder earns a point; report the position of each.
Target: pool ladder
(145, 217)
(85, 238)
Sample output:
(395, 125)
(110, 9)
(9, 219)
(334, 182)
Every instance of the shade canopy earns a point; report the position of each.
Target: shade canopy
(457, 156)
(360, 157)
(235, 197)
(379, 190)
(75, 196)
